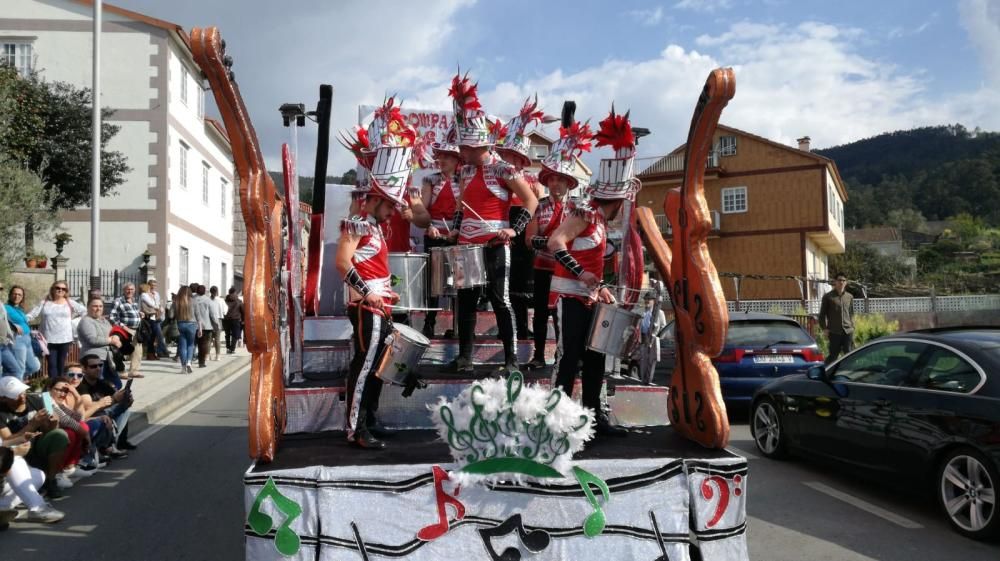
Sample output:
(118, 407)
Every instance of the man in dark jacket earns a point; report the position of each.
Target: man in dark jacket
(836, 318)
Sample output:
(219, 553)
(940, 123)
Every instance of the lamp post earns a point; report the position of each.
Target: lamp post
(95, 167)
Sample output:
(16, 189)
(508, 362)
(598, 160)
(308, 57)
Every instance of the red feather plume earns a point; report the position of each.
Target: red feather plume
(615, 131)
(498, 131)
(581, 135)
(359, 145)
(529, 111)
(463, 91)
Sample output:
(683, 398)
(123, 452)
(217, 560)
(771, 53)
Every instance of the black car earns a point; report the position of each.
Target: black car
(923, 407)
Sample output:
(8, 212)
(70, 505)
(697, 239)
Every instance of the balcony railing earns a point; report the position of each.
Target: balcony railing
(670, 163)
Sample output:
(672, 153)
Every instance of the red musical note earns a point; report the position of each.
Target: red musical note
(440, 528)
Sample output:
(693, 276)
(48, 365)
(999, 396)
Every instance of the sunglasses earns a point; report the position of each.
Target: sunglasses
(60, 288)
(61, 390)
(78, 375)
(97, 365)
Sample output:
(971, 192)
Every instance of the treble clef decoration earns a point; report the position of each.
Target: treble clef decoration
(695, 405)
(262, 209)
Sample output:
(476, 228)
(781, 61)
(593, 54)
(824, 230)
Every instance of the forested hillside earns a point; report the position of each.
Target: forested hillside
(939, 172)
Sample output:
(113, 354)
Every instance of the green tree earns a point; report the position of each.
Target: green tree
(907, 219)
(862, 263)
(967, 227)
(24, 200)
(49, 134)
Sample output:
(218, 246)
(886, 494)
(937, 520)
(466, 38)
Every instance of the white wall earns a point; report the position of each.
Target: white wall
(197, 249)
(835, 207)
(121, 245)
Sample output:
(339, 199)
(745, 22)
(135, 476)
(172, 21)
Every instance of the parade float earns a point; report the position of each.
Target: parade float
(481, 467)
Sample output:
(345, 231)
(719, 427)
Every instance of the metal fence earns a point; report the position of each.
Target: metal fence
(963, 303)
(112, 282)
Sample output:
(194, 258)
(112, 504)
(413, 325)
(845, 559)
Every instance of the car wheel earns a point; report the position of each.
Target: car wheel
(967, 490)
(768, 433)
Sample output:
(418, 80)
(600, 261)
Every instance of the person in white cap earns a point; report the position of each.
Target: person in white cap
(578, 246)
(24, 416)
(487, 187)
(363, 260)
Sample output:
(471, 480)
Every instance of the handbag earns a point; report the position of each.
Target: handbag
(38, 344)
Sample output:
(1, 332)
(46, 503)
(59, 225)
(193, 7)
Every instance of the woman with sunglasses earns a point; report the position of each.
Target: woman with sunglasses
(57, 312)
(23, 351)
(90, 435)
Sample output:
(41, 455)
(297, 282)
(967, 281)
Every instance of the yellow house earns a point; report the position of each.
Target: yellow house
(777, 211)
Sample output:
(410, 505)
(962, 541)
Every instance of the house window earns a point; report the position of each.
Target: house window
(206, 271)
(224, 282)
(184, 165)
(204, 182)
(184, 265)
(734, 199)
(17, 55)
(727, 145)
(224, 190)
(201, 102)
(184, 84)
(538, 151)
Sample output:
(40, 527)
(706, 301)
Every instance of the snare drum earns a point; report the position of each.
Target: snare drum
(613, 330)
(409, 279)
(403, 349)
(468, 266)
(442, 282)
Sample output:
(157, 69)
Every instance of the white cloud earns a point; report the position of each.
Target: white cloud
(647, 17)
(708, 6)
(981, 19)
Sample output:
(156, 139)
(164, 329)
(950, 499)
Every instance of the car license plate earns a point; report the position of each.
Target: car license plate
(773, 359)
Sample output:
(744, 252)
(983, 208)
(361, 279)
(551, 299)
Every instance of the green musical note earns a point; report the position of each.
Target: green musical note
(594, 524)
(286, 541)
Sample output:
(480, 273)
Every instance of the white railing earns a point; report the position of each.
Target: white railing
(670, 163)
(924, 304)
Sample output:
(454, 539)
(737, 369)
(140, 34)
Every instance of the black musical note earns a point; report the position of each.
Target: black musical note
(361, 543)
(659, 538)
(534, 541)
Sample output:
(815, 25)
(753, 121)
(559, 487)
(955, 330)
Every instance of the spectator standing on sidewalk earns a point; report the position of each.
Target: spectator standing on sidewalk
(152, 307)
(233, 320)
(126, 313)
(203, 313)
(836, 318)
(218, 313)
(183, 312)
(23, 350)
(56, 313)
(95, 337)
(8, 358)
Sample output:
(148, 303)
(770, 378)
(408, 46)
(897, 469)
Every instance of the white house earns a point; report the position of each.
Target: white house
(177, 202)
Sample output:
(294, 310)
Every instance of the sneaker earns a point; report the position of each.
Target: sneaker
(115, 454)
(63, 482)
(47, 515)
(126, 445)
(189, 369)
(82, 471)
(7, 515)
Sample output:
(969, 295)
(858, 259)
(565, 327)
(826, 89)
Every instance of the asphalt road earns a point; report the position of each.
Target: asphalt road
(180, 497)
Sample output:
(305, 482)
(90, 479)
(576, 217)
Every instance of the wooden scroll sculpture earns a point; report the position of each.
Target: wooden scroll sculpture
(695, 406)
(262, 209)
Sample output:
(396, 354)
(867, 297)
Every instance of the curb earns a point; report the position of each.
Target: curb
(163, 407)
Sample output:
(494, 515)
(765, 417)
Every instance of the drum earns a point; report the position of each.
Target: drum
(468, 267)
(409, 279)
(403, 349)
(442, 282)
(613, 330)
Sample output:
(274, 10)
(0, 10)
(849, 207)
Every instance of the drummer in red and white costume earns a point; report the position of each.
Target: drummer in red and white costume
(560, 176)
(363, 259)
(440, 194)
(487, 186)
(578, 246)
(513, 144)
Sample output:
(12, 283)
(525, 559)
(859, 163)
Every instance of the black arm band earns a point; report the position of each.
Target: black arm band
(456, 221)
(540, 243)
(569, 262)
(357, 283)
(519, 218)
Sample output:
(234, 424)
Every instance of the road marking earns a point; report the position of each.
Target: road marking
(162, 424)
(863, 505)
(742, 452)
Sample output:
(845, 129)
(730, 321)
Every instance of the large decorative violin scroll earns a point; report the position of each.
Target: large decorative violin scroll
(262, 209)
(695, 405)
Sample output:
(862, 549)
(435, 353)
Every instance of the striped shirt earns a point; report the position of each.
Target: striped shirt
(125, 313)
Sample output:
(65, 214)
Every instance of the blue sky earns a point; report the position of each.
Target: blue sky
(836, 71)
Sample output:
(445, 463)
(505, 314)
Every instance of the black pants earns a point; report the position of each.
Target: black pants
(432, 302)
(497, 261)
(204, 342)
(521, 282)
(232, 328)
(576, 318)
(363, 387)
(58, 353)
(840, 343)
(540, 323)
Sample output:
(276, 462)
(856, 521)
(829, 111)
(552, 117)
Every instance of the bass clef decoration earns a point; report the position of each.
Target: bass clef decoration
(695, 405)
(262, 209)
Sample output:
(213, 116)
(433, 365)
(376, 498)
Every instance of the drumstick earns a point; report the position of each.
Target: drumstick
(466, 205)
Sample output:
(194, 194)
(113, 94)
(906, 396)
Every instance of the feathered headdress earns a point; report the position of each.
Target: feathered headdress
(359, 145)
(514, 142)
(470, 119)
(574, 140)
(616, 176)
(464, 96)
